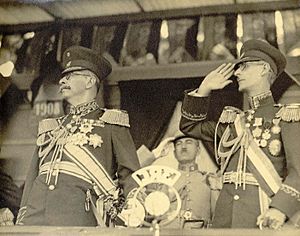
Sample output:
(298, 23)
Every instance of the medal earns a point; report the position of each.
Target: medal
(263, 143)
(250, 117)
(95, 140)
(275, 147)
(73, 129)
(276, 128)
(69, 126)
(256, 132)
(258, 121)
(266, 134)
(86, 127)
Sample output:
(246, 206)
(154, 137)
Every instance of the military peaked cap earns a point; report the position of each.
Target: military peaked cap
(179, 135)
(77, 58)
(257, 50)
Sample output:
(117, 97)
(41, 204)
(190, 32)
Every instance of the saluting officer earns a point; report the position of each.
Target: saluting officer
(82, 166)
(257, 149)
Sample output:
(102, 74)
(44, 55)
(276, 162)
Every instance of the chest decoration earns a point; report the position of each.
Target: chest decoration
(265, 132)
(77, 131)
(81, 132)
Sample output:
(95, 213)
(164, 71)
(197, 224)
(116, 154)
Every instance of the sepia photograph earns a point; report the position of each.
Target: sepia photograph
(150, 117)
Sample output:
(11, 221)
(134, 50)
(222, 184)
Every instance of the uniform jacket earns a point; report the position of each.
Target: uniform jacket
(57, 197)
(197, 198)
(280, 128)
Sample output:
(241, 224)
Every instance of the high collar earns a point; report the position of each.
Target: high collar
(260, 100)
(188, 168)
(84, 108)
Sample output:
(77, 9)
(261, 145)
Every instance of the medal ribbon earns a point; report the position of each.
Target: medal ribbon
(87, 162)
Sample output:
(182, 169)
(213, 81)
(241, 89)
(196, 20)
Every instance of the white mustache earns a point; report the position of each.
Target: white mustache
(63, 87)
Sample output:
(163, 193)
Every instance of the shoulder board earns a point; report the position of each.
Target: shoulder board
(115, 117)
(229, 114)
(289, 112)
(47, 125)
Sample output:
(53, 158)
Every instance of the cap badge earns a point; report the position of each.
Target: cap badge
(68, 54)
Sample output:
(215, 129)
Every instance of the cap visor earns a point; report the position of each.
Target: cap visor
(245, 59)
(178, 137)
(71, 69)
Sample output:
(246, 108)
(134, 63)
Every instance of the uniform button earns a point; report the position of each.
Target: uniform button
(188, 199)
(236, 197)
(51, 187)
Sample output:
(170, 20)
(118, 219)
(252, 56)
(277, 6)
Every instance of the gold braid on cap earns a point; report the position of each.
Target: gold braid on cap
(229, 114)
(289, 112)
(116, 117)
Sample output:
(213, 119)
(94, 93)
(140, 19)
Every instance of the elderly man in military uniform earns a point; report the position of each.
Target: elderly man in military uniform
(198, 200)
(257, 149)
(82, 166)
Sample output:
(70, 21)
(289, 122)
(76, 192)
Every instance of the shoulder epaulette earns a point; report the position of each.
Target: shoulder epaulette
(289, 112)
(229, 114)
(47, 125)
(115, 117)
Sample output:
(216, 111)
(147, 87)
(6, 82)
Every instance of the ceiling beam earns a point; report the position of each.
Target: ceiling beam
(188, 12)
(179, 71)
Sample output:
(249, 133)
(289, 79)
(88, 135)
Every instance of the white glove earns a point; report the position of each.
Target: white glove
(6, 217)
(272, 219)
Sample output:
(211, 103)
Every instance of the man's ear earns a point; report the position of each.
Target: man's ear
(91, 82)
(266, 69)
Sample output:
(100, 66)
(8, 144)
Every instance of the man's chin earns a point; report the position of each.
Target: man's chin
(65, 92)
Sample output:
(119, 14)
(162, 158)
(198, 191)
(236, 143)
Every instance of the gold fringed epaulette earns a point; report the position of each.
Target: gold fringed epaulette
(229, 114)
(289, 112)
(115, 117)
(47, 125)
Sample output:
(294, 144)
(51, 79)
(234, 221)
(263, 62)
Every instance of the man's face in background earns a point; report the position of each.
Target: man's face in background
(186, 149)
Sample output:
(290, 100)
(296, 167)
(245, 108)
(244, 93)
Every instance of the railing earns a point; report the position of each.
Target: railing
(36, 230)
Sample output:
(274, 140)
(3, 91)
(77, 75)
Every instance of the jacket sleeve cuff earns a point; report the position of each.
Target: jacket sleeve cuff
(287, 199)
(21, 215)
(194, 108)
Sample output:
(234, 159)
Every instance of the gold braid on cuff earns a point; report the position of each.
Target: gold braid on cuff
(290, 190)
(193, 117)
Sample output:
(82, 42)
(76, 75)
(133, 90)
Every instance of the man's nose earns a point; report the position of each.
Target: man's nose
(62, 80)
(237, 72)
